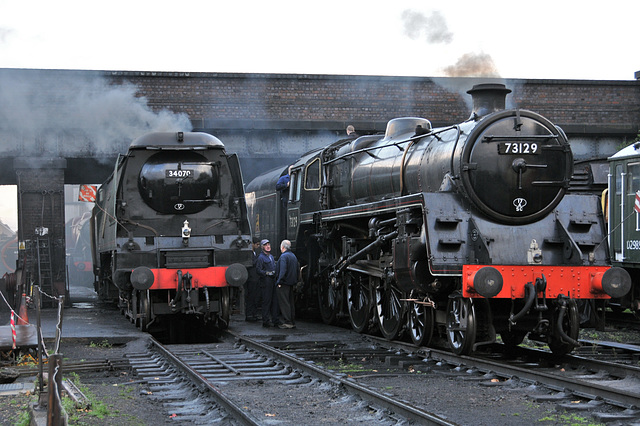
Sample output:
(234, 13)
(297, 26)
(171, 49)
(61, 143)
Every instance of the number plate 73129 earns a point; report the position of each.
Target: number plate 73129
(521, 148)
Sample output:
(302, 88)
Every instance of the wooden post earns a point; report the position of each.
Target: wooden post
(37, 295)
(54, 390)
(59, 326)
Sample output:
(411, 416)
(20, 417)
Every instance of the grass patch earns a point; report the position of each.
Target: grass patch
(96, 407)
(104, 344)
(346, 368)
(564, 418)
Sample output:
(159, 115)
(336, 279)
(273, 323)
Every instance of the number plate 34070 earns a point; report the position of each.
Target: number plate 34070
(179, 173)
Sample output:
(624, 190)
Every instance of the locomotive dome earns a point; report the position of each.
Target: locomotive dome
(402, 126)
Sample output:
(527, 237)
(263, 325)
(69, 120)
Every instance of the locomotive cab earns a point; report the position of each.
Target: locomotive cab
(304, 193)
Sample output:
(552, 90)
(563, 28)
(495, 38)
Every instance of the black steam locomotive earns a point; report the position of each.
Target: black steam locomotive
(170, 231)
(463, 232)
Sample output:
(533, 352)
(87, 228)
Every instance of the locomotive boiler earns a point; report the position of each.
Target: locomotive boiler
(170, 233)
(462, 232)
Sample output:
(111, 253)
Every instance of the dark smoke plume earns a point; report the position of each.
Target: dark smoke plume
(473, 65)
(433, 27)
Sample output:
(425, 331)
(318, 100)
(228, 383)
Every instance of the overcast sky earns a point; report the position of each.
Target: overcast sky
(533, 39)
(510, 39)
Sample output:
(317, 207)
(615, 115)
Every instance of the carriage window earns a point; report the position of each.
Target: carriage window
(312, 180)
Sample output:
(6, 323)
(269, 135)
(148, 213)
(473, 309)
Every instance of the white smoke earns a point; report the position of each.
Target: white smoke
(68, 113)
(433, 27)
(4, 34)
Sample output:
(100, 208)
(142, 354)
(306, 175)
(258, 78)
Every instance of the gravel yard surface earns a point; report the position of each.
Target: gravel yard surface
(119, 399)
(116, 397)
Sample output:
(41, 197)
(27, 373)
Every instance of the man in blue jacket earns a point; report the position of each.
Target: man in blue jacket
(266, 269)
(287, 277)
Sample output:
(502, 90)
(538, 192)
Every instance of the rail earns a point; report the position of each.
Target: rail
(203, 384)
(404, 409)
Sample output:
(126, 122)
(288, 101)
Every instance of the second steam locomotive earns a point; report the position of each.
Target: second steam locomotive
(170, 232)
(462, 232)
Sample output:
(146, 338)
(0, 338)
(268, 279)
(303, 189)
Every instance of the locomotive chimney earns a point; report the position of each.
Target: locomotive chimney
(487, 98)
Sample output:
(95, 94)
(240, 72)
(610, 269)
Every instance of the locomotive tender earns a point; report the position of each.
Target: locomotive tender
(170, 231)
(465, 231)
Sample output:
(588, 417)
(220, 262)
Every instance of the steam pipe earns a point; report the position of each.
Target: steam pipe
(563, 336)
(530, 297)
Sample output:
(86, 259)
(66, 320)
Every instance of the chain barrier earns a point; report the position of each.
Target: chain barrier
(13, 313)
(55, 411)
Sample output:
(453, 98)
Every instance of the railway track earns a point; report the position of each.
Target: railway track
(248, 382)
(273, 378)
(319, 374)
(608, 389)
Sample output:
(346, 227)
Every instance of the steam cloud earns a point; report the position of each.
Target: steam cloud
(433, 27)
(79, 114)
(435, 30)
(473, 65)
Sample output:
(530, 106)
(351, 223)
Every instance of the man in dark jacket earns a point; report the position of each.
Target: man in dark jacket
(266, 269)
(287, 277)
(253, 293)
(282, 186)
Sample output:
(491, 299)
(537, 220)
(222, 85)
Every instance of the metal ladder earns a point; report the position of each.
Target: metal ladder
(45, 270)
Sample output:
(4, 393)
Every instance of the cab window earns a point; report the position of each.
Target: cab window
(312, 178)
(295, 185)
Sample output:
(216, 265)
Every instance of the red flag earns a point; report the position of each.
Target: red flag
(636, 207)
(87, 193)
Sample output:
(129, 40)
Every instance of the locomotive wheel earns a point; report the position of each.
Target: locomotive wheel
(225, 308)
(571, 326)
(359, 301)
(329, 301)
(461, 325)
(132, 308)
(420, 322)
(389, 309)
(144, 310)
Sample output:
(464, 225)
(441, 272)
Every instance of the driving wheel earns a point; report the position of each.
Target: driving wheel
(329, 300)
(461, 325)
(359, 301)
(389, 308)
(420, 323)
